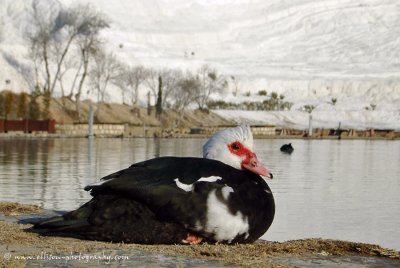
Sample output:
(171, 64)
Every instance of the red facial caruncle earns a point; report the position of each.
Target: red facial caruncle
(250, 161)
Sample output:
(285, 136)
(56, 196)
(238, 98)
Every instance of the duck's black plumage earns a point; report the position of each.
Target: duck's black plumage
(287, 148)
(144, 203)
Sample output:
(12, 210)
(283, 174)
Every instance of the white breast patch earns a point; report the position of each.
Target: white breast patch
(221, 222)
(226, 190)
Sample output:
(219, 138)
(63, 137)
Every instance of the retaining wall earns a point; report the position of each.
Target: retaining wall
(99, 130)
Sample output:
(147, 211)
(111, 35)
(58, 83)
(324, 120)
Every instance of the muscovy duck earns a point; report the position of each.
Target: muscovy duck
(169, 200)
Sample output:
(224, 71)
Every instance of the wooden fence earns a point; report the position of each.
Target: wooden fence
(28, 126)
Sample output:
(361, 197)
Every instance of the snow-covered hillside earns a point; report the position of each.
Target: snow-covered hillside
(308, 50)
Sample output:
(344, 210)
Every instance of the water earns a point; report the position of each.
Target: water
(348, 189)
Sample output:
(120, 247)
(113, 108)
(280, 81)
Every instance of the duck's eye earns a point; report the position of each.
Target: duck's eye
(235, 146)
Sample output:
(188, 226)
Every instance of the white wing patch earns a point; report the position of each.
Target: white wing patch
(189, 187)
(210, 179)
(221, 222)
(183, 186)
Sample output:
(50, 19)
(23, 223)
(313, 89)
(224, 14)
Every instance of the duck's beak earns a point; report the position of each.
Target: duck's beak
(256, 167)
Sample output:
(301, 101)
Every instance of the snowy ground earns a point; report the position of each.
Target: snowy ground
(320, 119)
(309, 50)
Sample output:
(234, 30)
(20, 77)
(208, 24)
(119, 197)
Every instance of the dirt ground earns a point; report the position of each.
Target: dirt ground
(63, 111)
(16, 242)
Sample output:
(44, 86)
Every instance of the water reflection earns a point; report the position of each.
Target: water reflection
(343, 189)
(325, 188)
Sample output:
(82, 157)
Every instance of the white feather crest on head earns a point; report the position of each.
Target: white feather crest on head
(216, 146)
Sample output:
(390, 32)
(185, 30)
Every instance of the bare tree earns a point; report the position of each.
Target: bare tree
(90, 22)
(105, 70)
(236, 84)
(170, 79)
(185, 93)
(130, 80)
(120, 82)
(152, 81)
(210, 82)
(136, 77)
(69, 64)
(40, 45)
(53, 37)
(89, 45)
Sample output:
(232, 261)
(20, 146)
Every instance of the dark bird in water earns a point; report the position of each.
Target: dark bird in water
(219, 198)
(287, 148)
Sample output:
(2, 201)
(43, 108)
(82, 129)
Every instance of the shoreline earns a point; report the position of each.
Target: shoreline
(186, 136)
(301, 253)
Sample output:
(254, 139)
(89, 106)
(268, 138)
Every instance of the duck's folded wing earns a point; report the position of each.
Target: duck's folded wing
(175, 189)
(161, 182)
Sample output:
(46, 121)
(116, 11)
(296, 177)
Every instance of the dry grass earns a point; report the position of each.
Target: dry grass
(15, 239)
(63, 111)
(15, 209)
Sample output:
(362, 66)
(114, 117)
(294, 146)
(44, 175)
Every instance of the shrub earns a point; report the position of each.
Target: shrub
(266, 105)
(8, 103)
(1, 105)
(33, 107)
(371, 107)
(262, 93)
(21, 111)
(309, 108)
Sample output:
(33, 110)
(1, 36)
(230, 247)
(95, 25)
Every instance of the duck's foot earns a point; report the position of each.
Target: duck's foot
(192, 239)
